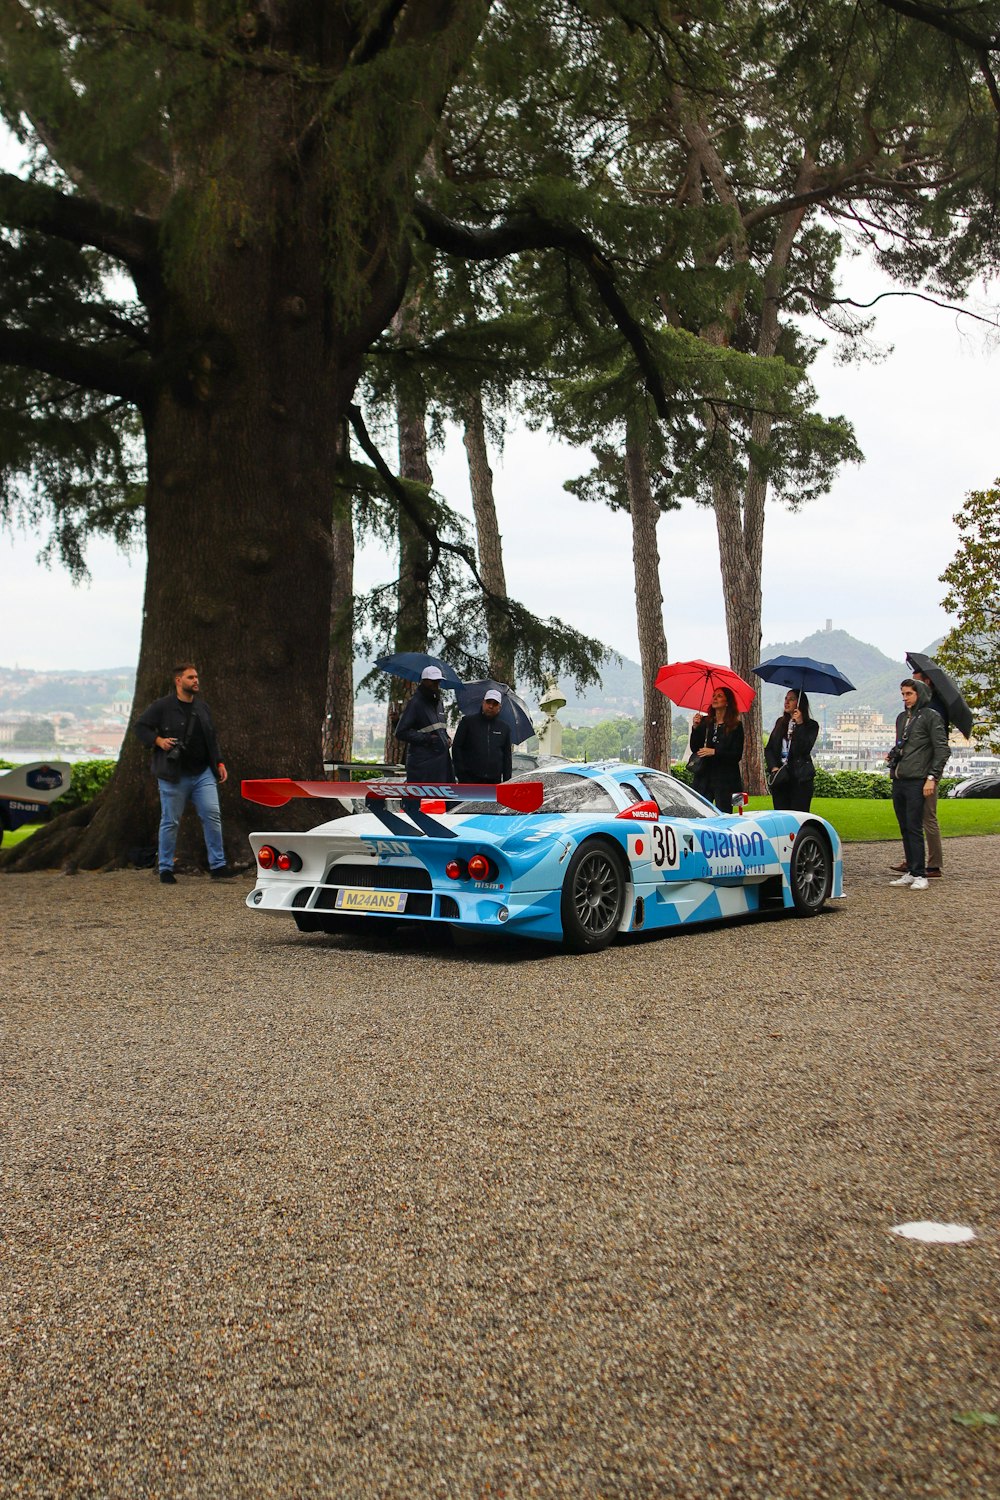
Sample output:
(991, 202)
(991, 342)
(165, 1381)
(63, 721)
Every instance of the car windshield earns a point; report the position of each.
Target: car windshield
(673, 798)
(562, 792)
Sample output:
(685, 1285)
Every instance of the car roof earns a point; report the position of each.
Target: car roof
(617, 769)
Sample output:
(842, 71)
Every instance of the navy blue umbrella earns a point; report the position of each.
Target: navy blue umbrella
(410, 664)
(804, 675)
(513, 710)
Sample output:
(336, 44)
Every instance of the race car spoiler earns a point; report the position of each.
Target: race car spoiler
(519, 796)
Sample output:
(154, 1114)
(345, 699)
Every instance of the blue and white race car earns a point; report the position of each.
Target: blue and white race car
(573, 855)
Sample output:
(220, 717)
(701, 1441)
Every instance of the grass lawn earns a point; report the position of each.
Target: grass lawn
(868, 820)
(20, 834)
(856, 819)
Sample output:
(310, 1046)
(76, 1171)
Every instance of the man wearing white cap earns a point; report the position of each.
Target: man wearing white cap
(423, 731)
(482, 743)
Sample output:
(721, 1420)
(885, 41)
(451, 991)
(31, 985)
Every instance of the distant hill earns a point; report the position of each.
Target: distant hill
(80, 693)
(876, 677)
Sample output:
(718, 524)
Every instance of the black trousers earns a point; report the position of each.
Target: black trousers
(908, 802)
(794, 796)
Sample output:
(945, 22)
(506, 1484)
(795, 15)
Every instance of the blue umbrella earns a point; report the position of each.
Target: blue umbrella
(804, 675)
(410, 664)
(513, 710)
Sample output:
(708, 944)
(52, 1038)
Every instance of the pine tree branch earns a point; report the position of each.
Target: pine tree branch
(949, 22)
(845, 187)
(529, 231)
(820, 299)
(129, 379)
(58, 115)
(80, 220)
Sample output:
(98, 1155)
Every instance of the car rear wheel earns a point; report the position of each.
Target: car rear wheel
(593, 898)
(809, 875)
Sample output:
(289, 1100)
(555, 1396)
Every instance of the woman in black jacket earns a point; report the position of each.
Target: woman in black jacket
(788, 753)
(717, 745)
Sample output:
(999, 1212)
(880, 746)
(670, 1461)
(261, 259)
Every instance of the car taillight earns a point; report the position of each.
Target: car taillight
(289, 861)
(266, 856)
(480, 868)
(456, 869)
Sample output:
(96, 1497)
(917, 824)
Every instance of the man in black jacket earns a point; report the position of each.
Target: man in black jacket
(482, 744)
(187, 765)
(916, 762)
(932, 830)
(423, 731)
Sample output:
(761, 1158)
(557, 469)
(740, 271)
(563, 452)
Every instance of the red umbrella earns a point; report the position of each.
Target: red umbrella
(690, 684)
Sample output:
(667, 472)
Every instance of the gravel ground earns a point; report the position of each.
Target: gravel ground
(303, 1216)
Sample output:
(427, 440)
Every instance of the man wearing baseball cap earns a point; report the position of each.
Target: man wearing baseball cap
(482, 743)
(423, 731)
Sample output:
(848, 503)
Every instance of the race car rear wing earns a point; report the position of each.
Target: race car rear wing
(519, 796)
(418, 798)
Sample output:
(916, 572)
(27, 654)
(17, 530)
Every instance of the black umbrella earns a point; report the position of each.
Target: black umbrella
(946, 688)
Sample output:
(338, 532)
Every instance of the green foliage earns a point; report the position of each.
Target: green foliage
(68, 455)
(971, 650)
(611, 739)
(89, 778)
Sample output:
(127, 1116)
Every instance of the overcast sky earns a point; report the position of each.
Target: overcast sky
(867, 556)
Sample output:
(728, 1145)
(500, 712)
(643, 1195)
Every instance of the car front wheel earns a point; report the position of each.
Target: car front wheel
(809, 875)
(593, 898)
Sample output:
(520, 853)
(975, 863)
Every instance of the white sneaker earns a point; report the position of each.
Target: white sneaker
(904, 880)
(920, 884)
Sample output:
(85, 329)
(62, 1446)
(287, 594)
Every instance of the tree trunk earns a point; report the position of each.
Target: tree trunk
(645, 514)
(740, 529)
(414, 552)
(235, 582)
(338, 727)
(489, 543)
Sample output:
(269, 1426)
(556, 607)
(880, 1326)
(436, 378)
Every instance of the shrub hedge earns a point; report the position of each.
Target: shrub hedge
(858, 784)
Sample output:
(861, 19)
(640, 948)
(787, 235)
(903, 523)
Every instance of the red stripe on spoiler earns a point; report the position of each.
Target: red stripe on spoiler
(520, 796)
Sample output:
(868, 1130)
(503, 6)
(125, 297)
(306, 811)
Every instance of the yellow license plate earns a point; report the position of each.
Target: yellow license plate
(371, 900)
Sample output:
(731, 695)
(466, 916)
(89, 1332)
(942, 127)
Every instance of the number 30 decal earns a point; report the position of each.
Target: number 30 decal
(664, 846)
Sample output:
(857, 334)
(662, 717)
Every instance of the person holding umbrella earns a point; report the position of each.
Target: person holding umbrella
(717, 749)
(788, 753)
(915, 765)
(423, 731)
(482, 747)
(922, 667)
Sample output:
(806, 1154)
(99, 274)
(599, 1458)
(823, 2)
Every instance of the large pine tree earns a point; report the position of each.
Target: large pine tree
(249, 169)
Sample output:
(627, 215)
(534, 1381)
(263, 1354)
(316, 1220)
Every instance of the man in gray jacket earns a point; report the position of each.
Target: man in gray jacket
(916, 762)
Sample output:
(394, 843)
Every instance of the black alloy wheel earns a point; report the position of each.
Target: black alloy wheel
(810, 873)
(593, 898)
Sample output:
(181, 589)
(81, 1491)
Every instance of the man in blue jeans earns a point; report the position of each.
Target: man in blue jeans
(187, 765)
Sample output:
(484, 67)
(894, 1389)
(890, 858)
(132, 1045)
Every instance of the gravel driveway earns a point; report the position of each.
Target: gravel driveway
(287, 1216)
